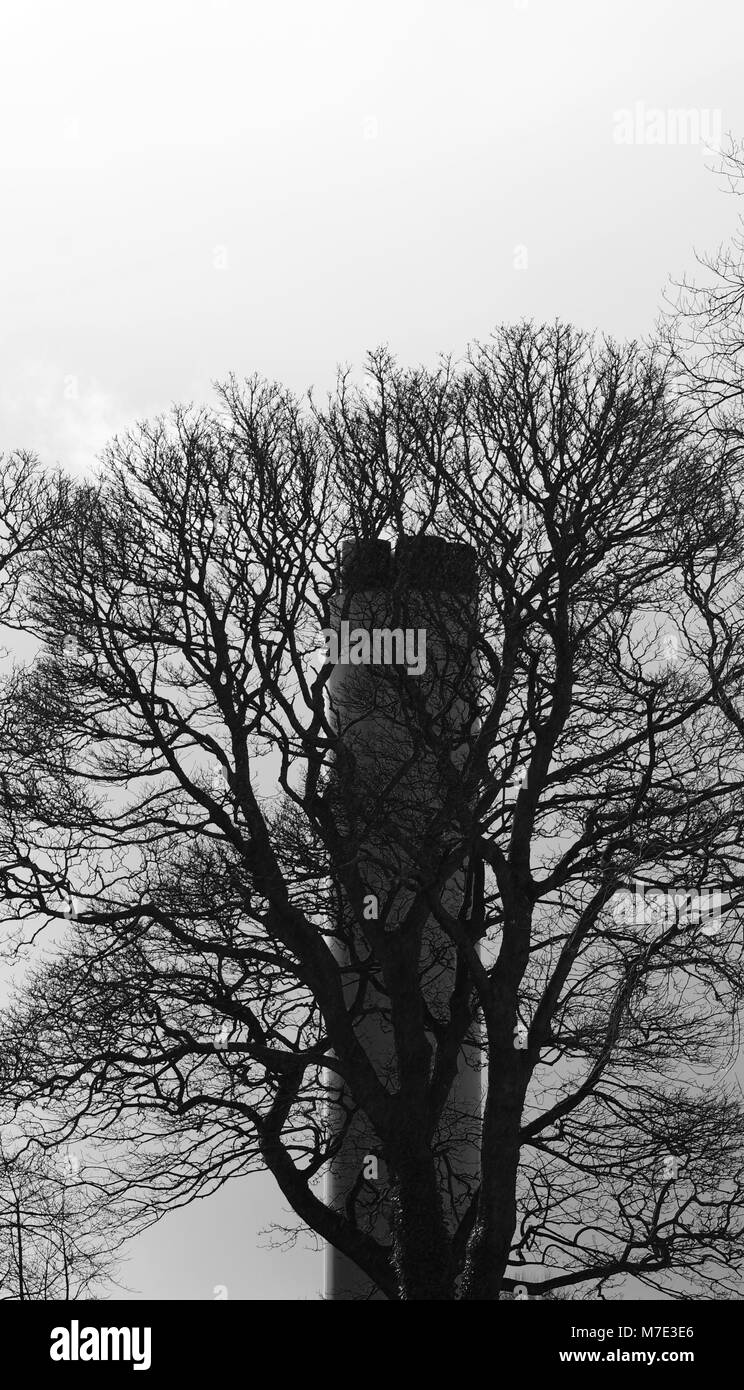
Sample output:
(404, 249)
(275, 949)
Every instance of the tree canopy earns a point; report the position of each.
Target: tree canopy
(180, 867)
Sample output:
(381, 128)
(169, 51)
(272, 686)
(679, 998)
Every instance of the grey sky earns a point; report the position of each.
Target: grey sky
(190, 189)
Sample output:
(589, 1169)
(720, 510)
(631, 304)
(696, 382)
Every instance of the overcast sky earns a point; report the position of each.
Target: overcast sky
(190, 189)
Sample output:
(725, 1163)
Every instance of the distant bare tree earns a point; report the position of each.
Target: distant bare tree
(179, 806)
(59, 1235)
(702, 325)
(31, 505)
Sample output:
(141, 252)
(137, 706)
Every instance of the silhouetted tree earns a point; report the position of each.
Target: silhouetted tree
(59, 1234)
(702, 325)
(32, 505)
(178, 806)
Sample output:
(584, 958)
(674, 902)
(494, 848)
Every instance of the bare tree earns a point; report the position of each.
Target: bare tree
(32, 503)
(180, 800)
(702, 324)
(59, 1235)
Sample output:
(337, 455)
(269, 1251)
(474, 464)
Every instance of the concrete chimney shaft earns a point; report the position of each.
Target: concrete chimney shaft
(401, 734)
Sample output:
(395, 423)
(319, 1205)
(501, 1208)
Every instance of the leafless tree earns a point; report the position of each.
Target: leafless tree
(702, 323)
(60, 1238)
(179, 808)
(32, 503)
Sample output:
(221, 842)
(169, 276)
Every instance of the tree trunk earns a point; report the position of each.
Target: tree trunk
(490, 1243)
(19, 1237)
(422, 1249)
